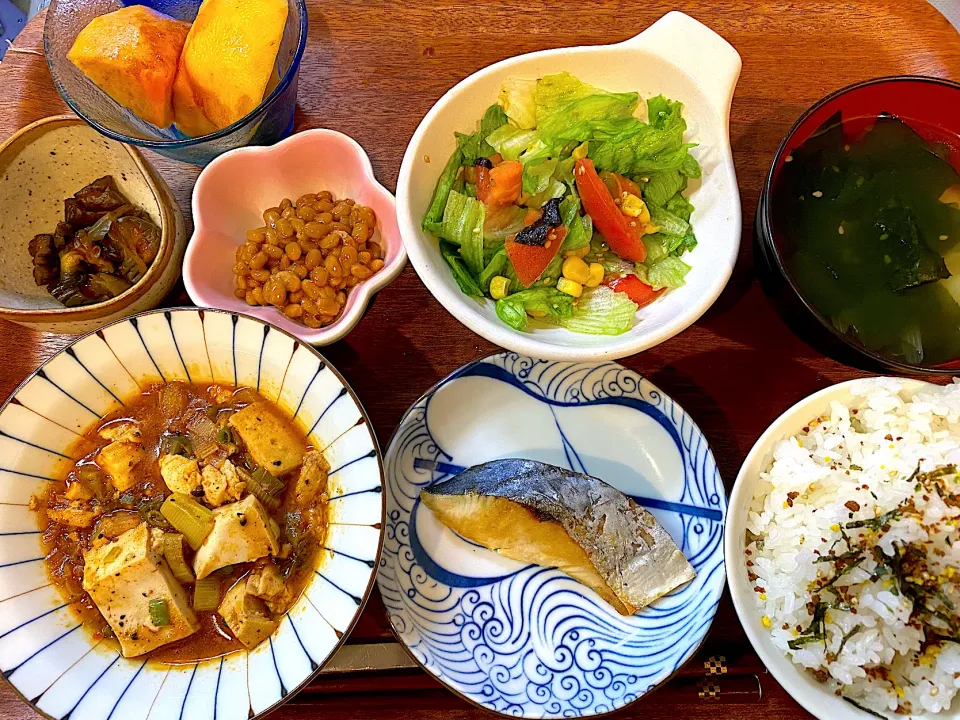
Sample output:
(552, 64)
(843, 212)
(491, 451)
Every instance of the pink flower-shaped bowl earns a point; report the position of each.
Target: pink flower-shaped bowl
(233, 191)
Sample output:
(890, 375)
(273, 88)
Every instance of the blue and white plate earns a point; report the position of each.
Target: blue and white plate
(524, 640)
(45, 653)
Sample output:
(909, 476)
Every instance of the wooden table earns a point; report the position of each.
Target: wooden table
(372, 70)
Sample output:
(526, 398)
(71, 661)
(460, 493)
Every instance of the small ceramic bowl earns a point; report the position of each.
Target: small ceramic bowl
(676, 56)
(47, 162)
(270, 121)
(48, 657)
(813, 696)
(927, 105)
(232, 193)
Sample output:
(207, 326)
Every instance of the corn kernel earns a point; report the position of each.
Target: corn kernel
(580, 151)
(499, 287)
(576, 269)
(581, 252)
(569, 287)
(763, 596)
(596, 275)
(765, 621)
(632, 206)
(835, 527)
(537, 313)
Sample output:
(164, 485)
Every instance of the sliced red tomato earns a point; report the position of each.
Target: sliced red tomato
(500, 185)
(531, 216)
(620, 232)
(635, 289)
(529, 261)
(618, 185)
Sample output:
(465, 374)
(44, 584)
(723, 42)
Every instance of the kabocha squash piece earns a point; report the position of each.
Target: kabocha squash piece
(132, 55)
(534, 512)
(188, 114)
(228, 60)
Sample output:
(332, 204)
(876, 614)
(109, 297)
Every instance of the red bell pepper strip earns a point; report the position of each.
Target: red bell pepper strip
(635, 289)
(621, 233)
(529, 261)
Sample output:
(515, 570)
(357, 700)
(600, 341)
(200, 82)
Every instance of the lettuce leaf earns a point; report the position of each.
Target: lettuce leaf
(554, 92)
(475, 145)
(494, 267)
(445, 183)
(537, 175)
(513, 142)
(668, 272)
(465, 281)
(662, 186)
(555, 304)
(601, 311)
(638, 148)
(556, 128)
(463, 225)
(518, 97)
(502, 222)
(667, 222)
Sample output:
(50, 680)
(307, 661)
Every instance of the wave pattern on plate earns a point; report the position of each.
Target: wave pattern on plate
(536, 643)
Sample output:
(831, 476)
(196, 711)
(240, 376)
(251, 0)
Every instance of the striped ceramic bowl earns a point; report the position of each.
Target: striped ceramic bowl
(45, 654)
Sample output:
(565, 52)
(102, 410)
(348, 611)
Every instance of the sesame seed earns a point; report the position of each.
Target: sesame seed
(817, 194)
(840, 229)
(788, 158)
(944, 237)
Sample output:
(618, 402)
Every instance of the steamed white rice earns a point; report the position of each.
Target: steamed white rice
(861, 457)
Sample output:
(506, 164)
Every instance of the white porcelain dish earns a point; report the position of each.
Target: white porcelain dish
(45, 653)
(528, 641)
(676, 56)
(813, 696)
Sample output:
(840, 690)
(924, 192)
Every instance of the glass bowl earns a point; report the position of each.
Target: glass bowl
(270, 121)
(926, 104)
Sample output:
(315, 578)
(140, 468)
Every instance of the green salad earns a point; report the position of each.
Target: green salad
(563, 205)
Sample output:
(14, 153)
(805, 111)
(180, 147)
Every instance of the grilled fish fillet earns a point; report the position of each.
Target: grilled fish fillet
(537, 513)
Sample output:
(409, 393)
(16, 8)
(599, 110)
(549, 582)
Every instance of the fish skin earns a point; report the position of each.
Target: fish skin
(630, 550)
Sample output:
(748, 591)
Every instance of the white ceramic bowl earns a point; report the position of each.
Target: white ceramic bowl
(45, 653)
(233, 191)
(676, 56)
(813, 696)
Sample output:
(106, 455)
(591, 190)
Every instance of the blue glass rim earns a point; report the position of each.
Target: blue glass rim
(189, 142)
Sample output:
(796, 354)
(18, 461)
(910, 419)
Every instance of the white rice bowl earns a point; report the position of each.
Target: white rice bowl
(851, 464)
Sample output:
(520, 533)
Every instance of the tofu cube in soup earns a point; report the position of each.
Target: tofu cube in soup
(181, 474)
(123, 577)
(246, 616)
(312, 479)
(222, 483)
(266, 582)
(120, 457)
(270, 438)
(242, 532)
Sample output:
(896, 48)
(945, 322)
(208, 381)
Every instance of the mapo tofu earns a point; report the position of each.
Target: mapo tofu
(190, 522)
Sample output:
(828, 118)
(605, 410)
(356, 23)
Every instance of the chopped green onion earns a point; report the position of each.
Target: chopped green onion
(188, 517)
(225, 436)
(206, 594)
(90, 474)
(173, 552)
(159, 612)
(203, 433)
(265, 487)
(176, 445)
